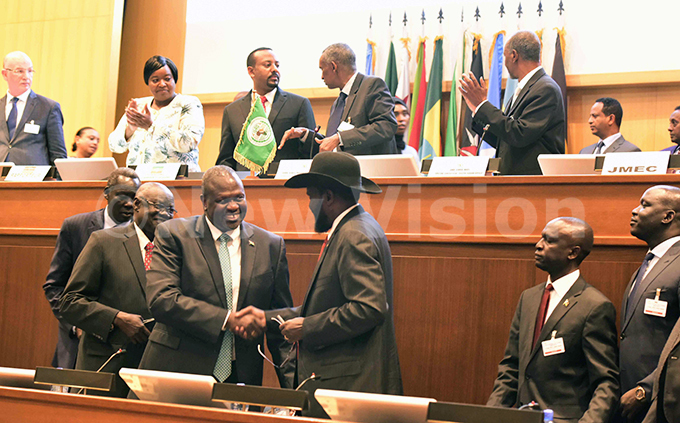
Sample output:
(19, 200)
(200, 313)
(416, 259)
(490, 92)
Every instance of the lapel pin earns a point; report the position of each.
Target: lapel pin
(251, 243)
(566, 303)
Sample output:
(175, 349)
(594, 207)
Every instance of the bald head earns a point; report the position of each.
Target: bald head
(578, 234)
(654, 219)
(215, 173)
(153, 205)
(17, 70)
(224, 199)
(15, 56)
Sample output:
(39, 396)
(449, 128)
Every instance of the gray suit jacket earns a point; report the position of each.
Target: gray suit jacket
(643, 336)
(73, 235)
(535, 124)
(665, 407)
(580, 384)
(108, 277)
(34, 149)
(620, 146)
(186, 295)
(288, 110)
(348, 332)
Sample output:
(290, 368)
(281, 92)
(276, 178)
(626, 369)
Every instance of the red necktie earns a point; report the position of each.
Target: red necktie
(323, 247)
(147, 255)
(542, 310)
(263, 99)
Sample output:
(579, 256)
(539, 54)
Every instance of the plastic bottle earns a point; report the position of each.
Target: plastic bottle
(548, 415)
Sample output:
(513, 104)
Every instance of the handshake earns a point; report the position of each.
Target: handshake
(250, 322)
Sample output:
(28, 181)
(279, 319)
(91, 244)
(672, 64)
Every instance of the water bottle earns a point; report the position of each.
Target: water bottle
(548, 415)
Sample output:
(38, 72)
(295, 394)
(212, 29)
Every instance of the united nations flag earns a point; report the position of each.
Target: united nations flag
(256, 146)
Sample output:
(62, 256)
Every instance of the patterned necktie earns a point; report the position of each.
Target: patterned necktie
(12, 118)
(263, 99)
(633, 297)
(223, 363)
(598, 150)
(542, 310)
(148, 248)
(336, 115)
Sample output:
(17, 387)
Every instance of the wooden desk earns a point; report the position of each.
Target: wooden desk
(462, 251)
(26, 405)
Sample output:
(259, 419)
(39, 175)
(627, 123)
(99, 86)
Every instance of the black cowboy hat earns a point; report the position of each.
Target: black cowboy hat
(330, 168)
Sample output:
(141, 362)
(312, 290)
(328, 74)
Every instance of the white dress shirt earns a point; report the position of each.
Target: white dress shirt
(143, 240)
(609, 141)
(108, 220)
(560, 288)
(21, 105)
(658, 251)
(270, 100)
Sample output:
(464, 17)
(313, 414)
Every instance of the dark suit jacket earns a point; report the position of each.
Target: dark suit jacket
(643, 336)
(580, 384)
(34, 149)
(370, 109)
(73, 235)
(665, 398)
(186, 296)
(288, 110)
(108, 277)
(535, 124)
(620, 145)
(348, 331)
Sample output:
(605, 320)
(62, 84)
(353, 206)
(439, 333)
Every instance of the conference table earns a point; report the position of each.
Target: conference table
(463, 251)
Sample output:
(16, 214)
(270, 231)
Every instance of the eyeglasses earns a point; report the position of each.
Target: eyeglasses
(21, 72)
(289, 356)
(161, 208)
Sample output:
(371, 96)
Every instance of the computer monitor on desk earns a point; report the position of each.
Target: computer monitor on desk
(468, 413)
(360, 407)
(567, 164)
(20, 378)
(92, 169)
(388, 166)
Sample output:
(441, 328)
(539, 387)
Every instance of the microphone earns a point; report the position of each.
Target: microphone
(312, 377)
(481, 140)
(533, 405)
(119, 352)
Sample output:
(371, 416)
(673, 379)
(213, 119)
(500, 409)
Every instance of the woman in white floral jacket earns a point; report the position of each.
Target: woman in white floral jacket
(163, 128)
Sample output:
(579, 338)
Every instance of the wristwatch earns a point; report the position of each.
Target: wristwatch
(640, 393)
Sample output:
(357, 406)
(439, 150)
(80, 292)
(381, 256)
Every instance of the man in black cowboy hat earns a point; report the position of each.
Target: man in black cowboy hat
(345, 327)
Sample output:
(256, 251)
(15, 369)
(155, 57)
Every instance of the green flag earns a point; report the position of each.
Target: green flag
(256, 146)
(391, 77)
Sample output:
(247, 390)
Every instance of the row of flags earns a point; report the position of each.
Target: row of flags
(425, 102)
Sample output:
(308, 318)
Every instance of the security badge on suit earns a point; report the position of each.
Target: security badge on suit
(568, 362)
(39, 136)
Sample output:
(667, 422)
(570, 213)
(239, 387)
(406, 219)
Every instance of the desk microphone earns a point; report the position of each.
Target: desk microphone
(481, 140)
(119, 352)
(312, 377)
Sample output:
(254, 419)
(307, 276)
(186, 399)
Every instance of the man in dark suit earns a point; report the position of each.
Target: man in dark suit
(31, 133)
(119, 192)
(344, 329)
(533, 123)
(674, 131)
(285, 110)
(605, 122)
(362, 118)
(105, 295)
(665, 400)
(561, 352)
(651, 301)
(208, 270)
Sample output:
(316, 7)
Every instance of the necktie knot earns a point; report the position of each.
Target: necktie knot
(549, 287)
(15, 100)
(342, 95)
(149, 246)
(225, 237)
(649, 256)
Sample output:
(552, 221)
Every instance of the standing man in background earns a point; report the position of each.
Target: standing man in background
(119, 193)
(31, 133)
(362, 118)
(284, 110)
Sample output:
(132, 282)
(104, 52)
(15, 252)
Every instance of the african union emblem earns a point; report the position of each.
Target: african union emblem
(260, 132)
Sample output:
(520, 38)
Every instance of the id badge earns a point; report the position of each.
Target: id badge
(656, 307)
(554, 346)
(31, 128)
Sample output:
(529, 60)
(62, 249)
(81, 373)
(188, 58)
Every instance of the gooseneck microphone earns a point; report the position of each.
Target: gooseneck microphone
(119, 352)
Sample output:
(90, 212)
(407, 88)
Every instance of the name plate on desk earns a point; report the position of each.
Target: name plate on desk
(158, 171)
(289, 168)
(459, 166)
(648, 162)
(27, 173)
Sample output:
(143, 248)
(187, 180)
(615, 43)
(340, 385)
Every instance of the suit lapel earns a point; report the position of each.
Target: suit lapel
(615, 145)
(567, 303)
(97, 221)
(532, 302)
(31, 101)
(4, 130)
(244, 108)
(352, 96)
(248, 254)
(525, 90)
(659, 267)
(135, 255)
(279, 100)
(206, 244)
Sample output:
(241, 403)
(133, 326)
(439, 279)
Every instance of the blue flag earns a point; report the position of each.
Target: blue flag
(494, 88)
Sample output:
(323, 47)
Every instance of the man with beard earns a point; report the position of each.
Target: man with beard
(344, 329)
(644, 328)
(105, 295)
(284, 110)
(561, 352)
(75, 231)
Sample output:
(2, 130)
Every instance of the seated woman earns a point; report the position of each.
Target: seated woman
(85, 143)
(163, 128)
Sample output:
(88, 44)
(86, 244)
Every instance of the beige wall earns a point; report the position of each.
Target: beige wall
(74, 46)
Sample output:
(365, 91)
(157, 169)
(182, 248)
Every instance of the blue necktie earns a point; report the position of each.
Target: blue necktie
(633, 297)
(12, 118)
(336, 115)
(223, 363)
